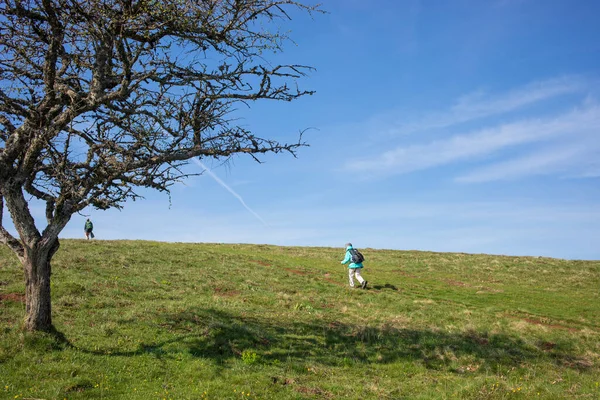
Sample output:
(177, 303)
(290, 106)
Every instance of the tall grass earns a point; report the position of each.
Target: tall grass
(147, 320)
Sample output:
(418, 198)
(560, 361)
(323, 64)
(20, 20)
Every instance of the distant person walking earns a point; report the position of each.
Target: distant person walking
(355, 259)
(88, 228)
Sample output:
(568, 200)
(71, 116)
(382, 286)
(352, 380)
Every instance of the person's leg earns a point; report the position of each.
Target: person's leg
(358, 276)
(363, 283)
(350, 276)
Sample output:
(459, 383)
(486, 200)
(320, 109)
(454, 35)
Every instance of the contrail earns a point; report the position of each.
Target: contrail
(230, 190)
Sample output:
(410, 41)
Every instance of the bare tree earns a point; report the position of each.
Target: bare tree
(99, 98)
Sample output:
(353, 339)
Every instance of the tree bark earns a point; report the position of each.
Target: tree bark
(36, 265)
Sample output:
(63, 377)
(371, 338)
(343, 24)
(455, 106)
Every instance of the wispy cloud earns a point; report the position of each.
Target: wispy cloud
(570, 159)
(578, 126)
(565, 144)
(479, 104)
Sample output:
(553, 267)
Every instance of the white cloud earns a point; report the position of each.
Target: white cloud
(555, 160)
(479, 105)
(579, 126)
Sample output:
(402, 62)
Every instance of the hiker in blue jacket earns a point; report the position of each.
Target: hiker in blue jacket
(353, 268)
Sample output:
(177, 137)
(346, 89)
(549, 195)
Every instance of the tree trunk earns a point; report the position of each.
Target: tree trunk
(37, 286)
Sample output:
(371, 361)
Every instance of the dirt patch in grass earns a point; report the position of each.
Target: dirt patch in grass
(452, 282)
(581, 364)
(331, 280)
(296, 271)
(549, 325)
(335, 283)
(546, 346)
(17, 297)
(315, 392)
(263, 263)
(534, 321)
(334, 325)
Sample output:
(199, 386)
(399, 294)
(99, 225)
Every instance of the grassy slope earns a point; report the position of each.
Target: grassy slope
(146, 320)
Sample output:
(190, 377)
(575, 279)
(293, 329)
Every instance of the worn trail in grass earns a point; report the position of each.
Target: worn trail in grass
(143, 320)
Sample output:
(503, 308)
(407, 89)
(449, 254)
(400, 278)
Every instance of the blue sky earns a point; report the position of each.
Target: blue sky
(460, 126)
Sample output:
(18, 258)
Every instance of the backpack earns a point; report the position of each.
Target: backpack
(357, 257)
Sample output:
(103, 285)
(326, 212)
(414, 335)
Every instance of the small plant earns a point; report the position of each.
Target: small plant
(303, 307)
(249, 357)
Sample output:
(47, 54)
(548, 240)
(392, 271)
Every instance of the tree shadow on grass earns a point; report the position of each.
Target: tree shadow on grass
(221, 336)
(50, 340)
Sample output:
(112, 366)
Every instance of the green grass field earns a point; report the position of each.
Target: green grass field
(148, 320)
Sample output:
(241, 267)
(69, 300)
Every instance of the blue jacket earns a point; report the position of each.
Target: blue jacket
(348, 259)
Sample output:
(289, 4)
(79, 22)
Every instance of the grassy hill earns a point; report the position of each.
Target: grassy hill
(147, 320)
